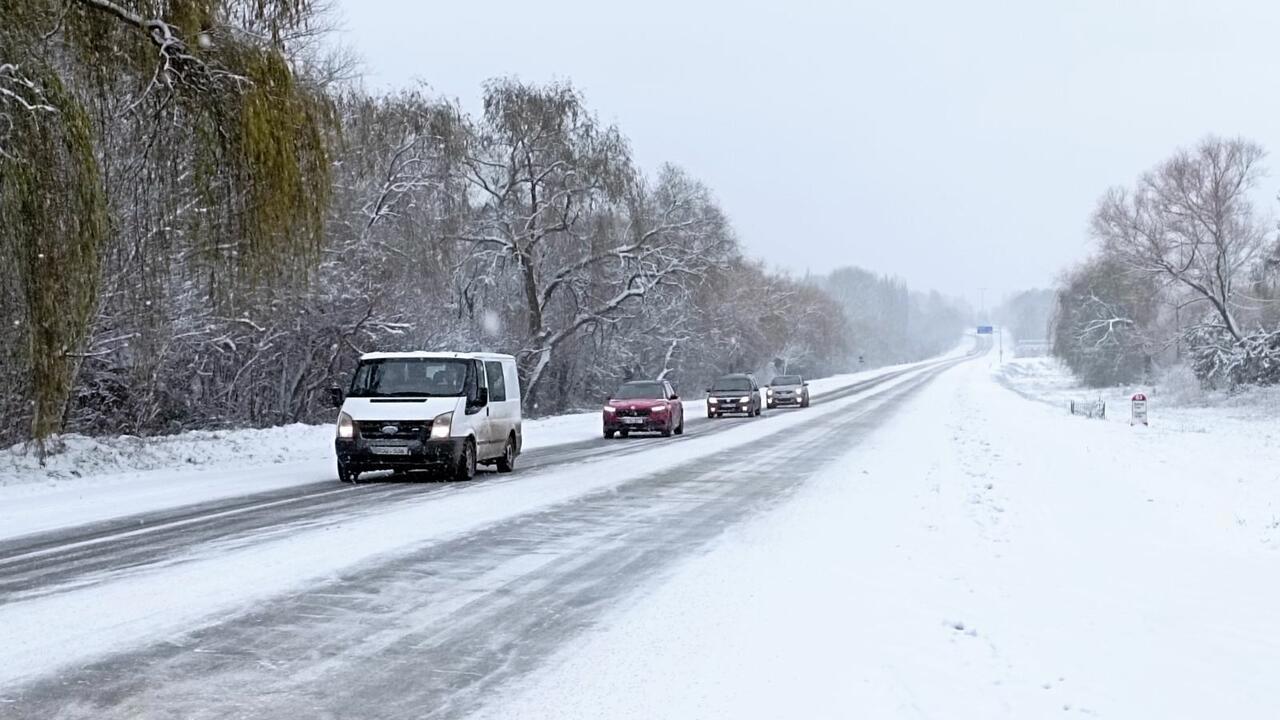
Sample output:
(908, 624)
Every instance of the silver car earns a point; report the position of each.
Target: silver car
(787, 390)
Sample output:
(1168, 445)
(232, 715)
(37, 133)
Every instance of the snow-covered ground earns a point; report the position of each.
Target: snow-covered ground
(1176, 403)
(981, 556)
(98, 479)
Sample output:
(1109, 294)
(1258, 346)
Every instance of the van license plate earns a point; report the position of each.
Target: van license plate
(385, 450)
(633, 421)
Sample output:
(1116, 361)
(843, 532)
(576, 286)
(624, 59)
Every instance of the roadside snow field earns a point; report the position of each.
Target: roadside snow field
(1175, 402)
(981, 556)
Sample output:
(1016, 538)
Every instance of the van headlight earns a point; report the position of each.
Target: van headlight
(346, 426)
(746, 398)
(442, 426)
(712, 400)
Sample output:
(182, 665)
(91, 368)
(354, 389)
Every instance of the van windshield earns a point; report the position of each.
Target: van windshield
(403, 377)
(786, 380)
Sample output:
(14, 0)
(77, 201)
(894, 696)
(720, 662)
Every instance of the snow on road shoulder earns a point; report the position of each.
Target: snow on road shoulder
(981, 556)
(43, 634)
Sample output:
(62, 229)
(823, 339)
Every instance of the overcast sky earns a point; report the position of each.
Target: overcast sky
(957, 144)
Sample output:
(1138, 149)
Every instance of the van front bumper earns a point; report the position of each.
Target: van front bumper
(401, 455)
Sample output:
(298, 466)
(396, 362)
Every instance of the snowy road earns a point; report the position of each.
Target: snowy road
(389, 599)
(928, 543)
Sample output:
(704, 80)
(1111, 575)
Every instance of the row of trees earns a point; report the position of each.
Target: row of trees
(1186, 268)
(207, 225)
(889, 322)
(1027, 314)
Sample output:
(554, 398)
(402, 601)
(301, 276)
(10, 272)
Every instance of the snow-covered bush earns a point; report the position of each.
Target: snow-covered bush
(1101, 324)
(1221, 361)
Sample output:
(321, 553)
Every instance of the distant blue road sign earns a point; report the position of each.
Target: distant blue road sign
(984, 329)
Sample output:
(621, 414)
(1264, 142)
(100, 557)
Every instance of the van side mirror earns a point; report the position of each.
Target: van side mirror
(335, 396)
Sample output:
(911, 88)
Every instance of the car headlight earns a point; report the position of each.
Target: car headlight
(609, 409)
(442, 426)
(746, 398)
(660, 408)
(768, 391)
(346, 426)
(713, 400)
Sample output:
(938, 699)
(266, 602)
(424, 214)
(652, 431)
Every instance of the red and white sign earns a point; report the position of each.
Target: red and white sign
(1138, 410)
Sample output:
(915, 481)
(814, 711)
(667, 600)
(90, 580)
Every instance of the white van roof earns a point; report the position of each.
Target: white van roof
(420, 354)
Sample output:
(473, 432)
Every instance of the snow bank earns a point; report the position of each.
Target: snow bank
(981, 556)
(83, 456)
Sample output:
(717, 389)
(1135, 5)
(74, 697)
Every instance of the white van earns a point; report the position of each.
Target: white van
(436, 411)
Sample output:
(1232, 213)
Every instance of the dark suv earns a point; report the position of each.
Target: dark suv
(644, 406)
(734, 395)
(787, 390)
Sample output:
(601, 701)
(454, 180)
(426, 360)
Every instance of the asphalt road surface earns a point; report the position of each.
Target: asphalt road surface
(432, 632)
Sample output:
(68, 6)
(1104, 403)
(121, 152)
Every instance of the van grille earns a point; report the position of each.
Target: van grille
(405, 430)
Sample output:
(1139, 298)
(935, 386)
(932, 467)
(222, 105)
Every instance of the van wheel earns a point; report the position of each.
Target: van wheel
(507, 462)
(467, 463)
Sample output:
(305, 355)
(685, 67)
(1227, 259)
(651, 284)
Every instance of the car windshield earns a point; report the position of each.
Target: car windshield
(639, 391)
(786, 380)
(732, 383)
(401, 377)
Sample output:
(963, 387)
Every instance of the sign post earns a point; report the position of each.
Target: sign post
(1138, 410)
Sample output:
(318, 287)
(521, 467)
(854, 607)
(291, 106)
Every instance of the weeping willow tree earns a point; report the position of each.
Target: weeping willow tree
(226, 118)
(52, 224)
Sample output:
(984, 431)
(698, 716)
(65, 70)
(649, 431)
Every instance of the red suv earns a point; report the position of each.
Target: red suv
(644, 406)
